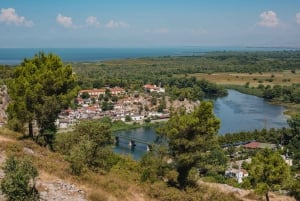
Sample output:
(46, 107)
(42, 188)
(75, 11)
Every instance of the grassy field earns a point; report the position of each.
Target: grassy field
(254, 79)
(237, 81)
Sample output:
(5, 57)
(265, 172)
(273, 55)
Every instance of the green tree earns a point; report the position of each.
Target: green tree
(107, 106)
(128, 118)
(88, 146)
(19, 181)
(85, 95)
(268, 172)
(191, 137)
(39, 89)
(293, 139)
(154, 166)
(153, 101)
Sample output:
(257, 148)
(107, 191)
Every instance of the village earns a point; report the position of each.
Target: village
(150, 104)
(117, 104)
(240, 154)
(144, 106)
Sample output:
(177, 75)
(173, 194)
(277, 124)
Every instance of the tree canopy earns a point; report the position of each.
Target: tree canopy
(191, 137)
(294, 139)
(39, 89)
(88, 146)
(268, 172)
(19, 181)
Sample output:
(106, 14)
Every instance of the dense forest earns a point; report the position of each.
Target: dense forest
(135, 72)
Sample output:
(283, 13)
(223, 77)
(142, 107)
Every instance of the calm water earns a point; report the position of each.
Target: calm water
(147, 134)
(13, 56)
(237, 112)
(241, 112)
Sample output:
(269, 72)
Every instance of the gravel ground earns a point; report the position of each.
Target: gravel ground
(59, 190)
(50, 189)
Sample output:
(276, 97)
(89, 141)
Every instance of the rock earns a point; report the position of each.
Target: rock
(28, 151)
(59, 190)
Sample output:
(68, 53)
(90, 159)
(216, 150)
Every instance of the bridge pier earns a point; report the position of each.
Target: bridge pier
(149, 147)
(132, 143)
(117, 140)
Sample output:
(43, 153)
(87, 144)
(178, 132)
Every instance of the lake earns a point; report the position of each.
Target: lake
(237, 112)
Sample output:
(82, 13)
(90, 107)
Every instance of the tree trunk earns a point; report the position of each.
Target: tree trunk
(267, 196)
(183, 173)
(30, 130)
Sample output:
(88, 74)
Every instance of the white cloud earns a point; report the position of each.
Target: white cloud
(9, 16)
(268, 19)
(298, 18)
(64, 21)
(116, 24)
(92, 21)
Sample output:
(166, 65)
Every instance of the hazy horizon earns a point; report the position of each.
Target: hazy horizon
(134, 23)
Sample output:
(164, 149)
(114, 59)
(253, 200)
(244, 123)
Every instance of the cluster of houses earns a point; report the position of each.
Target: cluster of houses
(239, 173)
(126, 105)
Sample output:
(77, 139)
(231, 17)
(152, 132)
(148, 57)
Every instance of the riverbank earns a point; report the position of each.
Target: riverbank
(121, 126)
(291, 109)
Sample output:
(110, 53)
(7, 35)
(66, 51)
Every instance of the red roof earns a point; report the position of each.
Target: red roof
(150, 86)
(244, 171)
(92, 90)
(117, 89)
(252, 145)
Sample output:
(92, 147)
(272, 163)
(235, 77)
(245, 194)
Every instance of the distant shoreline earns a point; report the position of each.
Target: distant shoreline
(14, 56)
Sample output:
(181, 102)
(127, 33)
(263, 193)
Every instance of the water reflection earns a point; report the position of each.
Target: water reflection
(237, 112)
(241, 112)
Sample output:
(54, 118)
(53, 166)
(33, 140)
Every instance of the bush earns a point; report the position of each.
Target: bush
(19, 181)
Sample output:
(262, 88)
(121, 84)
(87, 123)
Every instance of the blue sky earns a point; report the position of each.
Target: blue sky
(155, 23)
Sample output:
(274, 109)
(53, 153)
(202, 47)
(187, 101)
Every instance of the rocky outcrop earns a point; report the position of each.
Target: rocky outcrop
(4, 100)
(59, 190)
(49, 187)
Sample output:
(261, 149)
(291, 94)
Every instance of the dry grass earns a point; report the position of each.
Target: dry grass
(97, 195)
(280, 78)
(122, 183)
(10, 134)
(51, 166)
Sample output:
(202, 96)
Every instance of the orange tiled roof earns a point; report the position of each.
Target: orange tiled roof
(252, 145)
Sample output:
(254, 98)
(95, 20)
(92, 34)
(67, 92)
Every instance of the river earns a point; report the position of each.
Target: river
(237, 112)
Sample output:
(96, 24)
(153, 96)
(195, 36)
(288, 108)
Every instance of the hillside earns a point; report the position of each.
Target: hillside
(56, 183)
(4, 98)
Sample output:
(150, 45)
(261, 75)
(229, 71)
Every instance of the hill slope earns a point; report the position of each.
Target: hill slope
(56, 183)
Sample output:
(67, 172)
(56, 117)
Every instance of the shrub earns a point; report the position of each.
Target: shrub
(19, 181)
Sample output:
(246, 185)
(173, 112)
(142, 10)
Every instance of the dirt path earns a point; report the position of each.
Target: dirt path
(5, 139)
(49, 187)
(53, 188)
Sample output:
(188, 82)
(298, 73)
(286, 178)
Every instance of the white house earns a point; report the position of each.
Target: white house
(288, 160)
(239, 174)
(137, 117)
(153, 88)
(92, 92)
